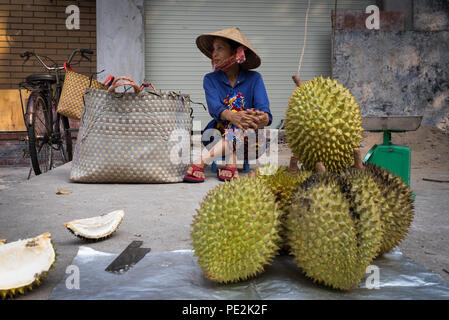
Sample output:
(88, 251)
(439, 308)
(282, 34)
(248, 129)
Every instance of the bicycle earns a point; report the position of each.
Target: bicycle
(48, 131)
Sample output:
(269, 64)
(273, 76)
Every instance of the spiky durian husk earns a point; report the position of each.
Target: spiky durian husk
(11, 293)
(283, 185)
(92, 240)
(366, 204)
(281, 182)
(323, 235)
(397, 211)
(323, 124)
(235, 231)
(14, 292)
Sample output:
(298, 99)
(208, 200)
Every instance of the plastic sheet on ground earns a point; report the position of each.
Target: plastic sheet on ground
(176, 275)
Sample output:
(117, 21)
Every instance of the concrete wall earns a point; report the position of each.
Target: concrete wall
(431, 15)
(395, 72)
(400, 72)
(356, 20)
(404, 6)
(120, 34)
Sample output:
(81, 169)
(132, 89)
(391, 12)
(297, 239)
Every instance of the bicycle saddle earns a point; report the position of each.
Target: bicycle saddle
(41, 77)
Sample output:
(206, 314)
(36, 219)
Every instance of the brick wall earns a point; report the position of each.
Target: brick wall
(13, 149)
(40, 26)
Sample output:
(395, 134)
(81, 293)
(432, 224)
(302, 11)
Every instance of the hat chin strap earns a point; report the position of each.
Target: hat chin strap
(239, 57)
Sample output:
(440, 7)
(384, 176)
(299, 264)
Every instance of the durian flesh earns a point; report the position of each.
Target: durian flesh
(235, 231)
(96, 228)
(323, 124)
(24, 264)
(2, 241)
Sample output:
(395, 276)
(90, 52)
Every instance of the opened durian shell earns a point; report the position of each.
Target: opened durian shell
(96, 228)
(24, 264)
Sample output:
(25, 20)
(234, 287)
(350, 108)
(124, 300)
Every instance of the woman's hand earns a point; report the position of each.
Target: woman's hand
(260, 118)
(238, 119)
(243, 120)
(250, 119)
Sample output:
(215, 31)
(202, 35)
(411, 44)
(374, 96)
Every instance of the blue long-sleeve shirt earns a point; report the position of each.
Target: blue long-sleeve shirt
(248, 92)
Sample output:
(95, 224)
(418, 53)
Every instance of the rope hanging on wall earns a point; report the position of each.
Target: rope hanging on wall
(305, 39)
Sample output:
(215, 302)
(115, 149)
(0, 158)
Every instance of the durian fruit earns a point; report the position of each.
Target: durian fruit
(367, 202)
(283, 184)
(322, 234)
(323, 124)
(397, 208)
(2, 241)
(330, 240)
(24, 264)
(235, 231)
(96, 228)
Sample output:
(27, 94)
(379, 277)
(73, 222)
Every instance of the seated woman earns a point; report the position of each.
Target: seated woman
(236, 97)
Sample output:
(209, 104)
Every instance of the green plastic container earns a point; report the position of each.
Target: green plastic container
(392, 157)
(395, 158)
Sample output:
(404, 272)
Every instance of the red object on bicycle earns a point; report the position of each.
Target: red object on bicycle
(109, 81)
(67, 66)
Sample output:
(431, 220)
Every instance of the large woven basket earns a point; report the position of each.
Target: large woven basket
(132, 138)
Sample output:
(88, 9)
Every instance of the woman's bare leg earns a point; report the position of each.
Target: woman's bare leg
(218, 150)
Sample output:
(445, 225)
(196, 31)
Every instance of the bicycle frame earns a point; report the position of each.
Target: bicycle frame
(59, 83)
(56, 134)
(29, 113)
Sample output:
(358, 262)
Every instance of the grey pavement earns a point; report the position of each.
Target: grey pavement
(157, 214)
(160, 215)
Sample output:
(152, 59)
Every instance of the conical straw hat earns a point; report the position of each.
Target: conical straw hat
(205, 44)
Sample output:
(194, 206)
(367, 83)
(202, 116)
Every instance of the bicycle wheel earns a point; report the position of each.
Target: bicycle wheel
(39, 127)
(65, 143)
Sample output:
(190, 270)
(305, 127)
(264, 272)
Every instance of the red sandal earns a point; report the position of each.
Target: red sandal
(191, 177)
(223, 178)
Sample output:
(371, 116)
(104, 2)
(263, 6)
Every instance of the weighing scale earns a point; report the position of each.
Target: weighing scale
(392, 157)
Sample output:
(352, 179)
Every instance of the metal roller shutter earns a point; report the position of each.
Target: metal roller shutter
(274, 28)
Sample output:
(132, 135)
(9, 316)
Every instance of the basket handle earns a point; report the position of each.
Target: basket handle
(149, 84)
(126, 82)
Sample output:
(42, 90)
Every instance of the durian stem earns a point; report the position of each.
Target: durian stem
(358, 164)
(297, 80)
(320, 168)
(293, 167)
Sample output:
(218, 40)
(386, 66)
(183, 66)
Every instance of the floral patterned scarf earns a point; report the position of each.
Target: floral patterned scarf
(239, 57)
